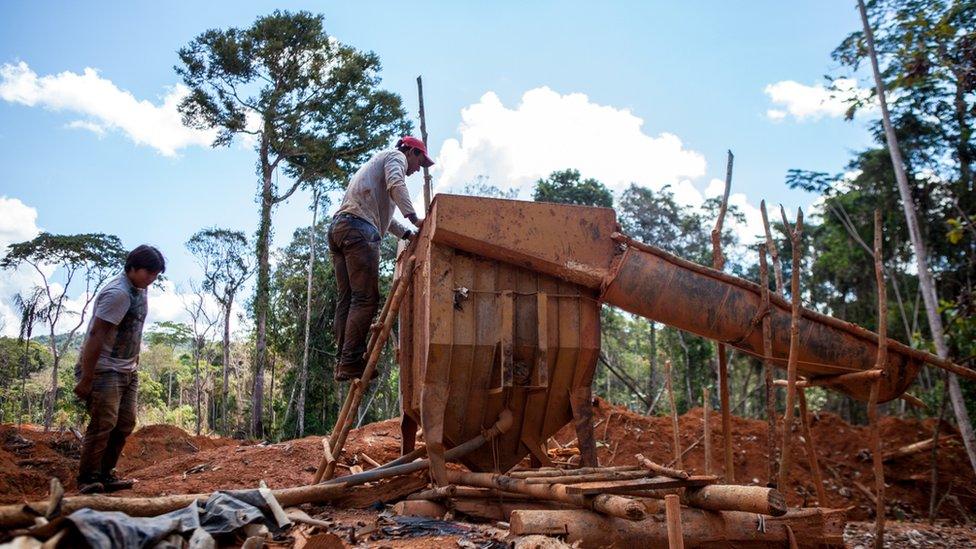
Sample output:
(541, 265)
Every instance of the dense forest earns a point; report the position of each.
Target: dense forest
(317, 126)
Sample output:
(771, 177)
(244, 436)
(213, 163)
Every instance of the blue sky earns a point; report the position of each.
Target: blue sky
(706, 74)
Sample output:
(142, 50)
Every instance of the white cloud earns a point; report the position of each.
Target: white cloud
(96, 129)
(548, 131)
(804, 102)
(18, 222)
(106, 106)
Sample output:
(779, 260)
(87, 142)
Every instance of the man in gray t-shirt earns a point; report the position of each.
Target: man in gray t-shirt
(376, 190)
(108, 383)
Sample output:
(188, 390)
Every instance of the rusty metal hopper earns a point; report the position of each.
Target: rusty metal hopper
(478, 335)
(503, 312)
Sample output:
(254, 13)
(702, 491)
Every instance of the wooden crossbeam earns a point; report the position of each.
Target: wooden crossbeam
(636, 485)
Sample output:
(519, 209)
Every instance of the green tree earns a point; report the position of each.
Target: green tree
(88, 258)
(316, 110)
(226, 264)
(566, 187)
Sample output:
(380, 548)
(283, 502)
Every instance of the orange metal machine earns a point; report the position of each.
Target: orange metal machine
(503, 312)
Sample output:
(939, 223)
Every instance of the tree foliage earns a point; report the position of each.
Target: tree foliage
(310, 104)
(566, 187)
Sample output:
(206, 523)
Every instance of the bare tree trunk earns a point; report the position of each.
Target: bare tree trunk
(925, 281)
(53, 396)
(303, 374)
(196, 380)
(225, 371)
(261, 301)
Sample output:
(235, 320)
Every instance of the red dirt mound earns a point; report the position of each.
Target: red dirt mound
(29, 457)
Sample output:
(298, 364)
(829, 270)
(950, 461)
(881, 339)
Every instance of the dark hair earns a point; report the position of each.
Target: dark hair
(145, 257)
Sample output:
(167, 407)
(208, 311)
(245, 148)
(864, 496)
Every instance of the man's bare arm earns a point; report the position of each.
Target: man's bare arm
(89, 356)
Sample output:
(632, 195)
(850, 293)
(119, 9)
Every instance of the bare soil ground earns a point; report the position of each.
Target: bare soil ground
(167, 460)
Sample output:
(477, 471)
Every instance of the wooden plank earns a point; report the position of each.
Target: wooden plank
(625, 486)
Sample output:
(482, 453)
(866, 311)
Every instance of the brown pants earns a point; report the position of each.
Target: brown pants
(355, 247)
(112, 407)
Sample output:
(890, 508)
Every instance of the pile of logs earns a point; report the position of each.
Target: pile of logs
(626, 505)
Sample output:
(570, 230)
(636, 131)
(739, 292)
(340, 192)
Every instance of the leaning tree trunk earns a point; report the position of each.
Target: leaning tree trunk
(925, 281)
(261, 299)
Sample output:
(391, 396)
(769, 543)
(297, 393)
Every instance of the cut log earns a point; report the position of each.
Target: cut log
(913, 448)
(420, 508)
(727, 497)
(502, 510)
(607, 504)
(812, 528)
(556, 472)
(591, 477)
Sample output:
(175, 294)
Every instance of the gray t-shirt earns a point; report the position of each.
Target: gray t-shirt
(377, 189)
(122, 304)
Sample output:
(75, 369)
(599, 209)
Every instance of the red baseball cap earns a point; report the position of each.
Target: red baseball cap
(410, 141)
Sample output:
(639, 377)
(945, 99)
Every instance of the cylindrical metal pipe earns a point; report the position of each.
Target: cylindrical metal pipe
(665, 289)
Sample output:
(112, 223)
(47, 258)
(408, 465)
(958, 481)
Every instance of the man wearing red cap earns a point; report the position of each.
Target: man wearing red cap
(365, 215)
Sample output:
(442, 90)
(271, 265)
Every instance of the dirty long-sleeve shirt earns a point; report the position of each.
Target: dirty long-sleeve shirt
(377, 189)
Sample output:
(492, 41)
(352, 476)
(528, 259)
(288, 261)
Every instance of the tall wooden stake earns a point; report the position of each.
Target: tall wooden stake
(784, 464)
(672, 511)
(706, 412)
(767, 335)
(773, 250)
(718, 263)
(674, 415)
(423, 135)
(879, 482)
(811, 449)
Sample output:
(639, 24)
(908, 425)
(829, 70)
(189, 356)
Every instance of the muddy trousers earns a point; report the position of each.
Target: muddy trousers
(112, 407)
(355, 249)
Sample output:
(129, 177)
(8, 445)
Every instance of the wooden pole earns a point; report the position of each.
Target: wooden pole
(608, 504)
(423, 135)
(773, 250)
(672, 510)
(811, 449)
(879, 482)
(660, 469)
(785, 457)
(555, 472)
(674, 415)
(706, 420)
(718, 263)
(326, 468)
(767, 338)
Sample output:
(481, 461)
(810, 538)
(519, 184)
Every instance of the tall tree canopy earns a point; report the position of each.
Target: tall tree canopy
(312, 107)
(566, 187)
